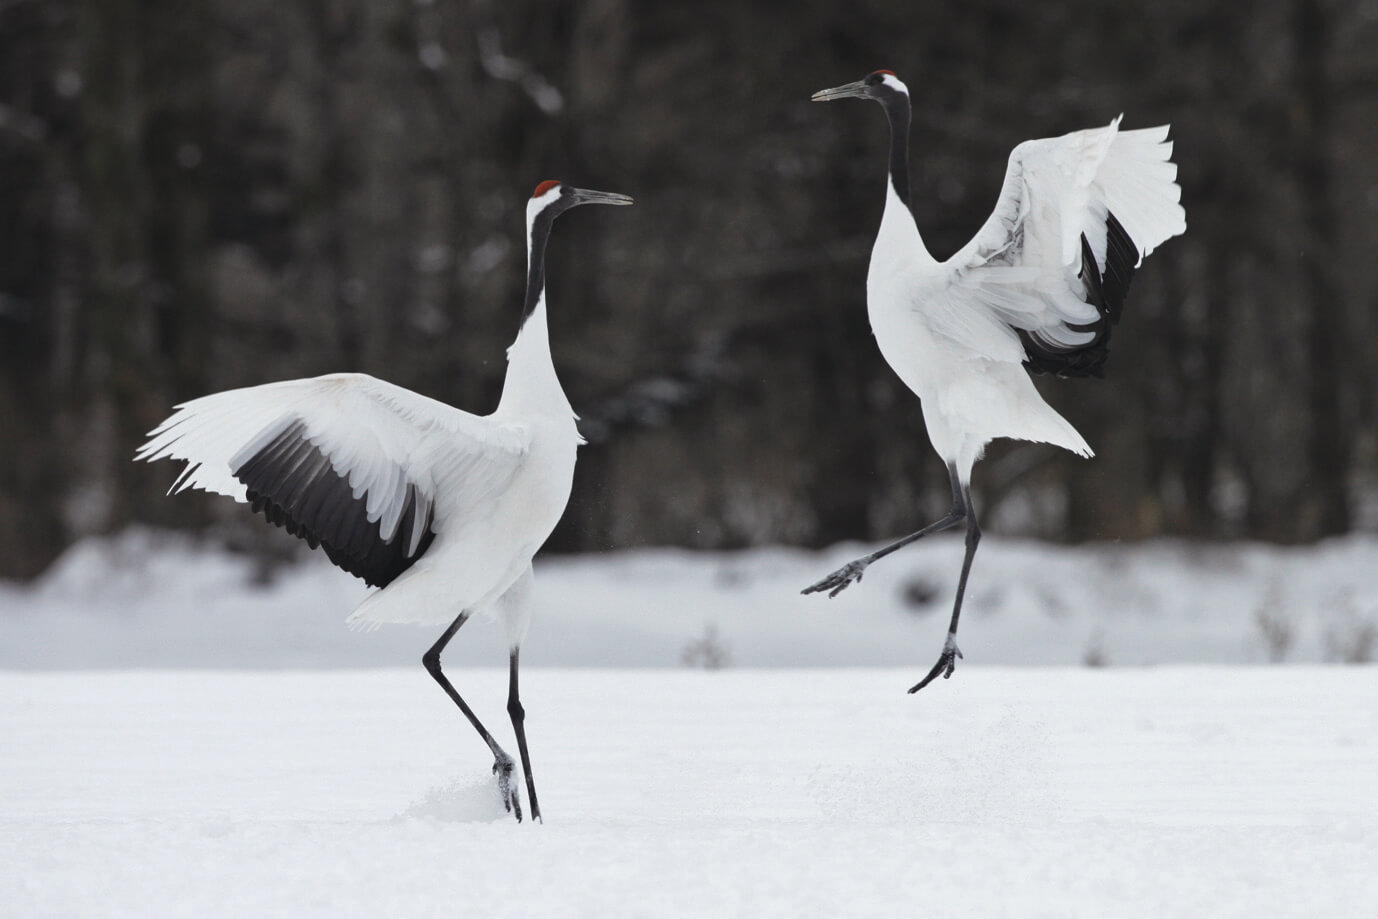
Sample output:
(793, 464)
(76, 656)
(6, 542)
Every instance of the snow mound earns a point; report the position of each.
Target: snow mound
(471, 800)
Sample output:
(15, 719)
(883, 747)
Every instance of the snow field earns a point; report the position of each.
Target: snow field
(248, 774)
(1205, 791)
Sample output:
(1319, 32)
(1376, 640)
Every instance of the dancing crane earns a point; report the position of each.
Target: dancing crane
(439, 509)
(1038, 288)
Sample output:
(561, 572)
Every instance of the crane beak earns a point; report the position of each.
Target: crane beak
(857, 90)
(584, 196)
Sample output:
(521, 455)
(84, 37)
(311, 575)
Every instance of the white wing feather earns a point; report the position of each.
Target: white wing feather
(1020, 271)
(377, 436)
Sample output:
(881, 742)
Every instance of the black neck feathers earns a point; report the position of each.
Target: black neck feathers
(535, 278)
(896, 106)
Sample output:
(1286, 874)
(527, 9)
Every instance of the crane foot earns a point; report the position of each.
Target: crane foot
(840, 579)
(947, 662)
(503, 767)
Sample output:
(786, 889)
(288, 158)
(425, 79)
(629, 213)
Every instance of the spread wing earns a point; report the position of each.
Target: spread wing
(1044, 279)
(367, 470)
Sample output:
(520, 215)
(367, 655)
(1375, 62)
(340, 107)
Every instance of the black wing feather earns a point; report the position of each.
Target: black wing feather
(1106, 292)
(292, 483)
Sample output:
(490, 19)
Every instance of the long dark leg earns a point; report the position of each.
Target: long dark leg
(851, 572)
(947, 661)
(518, 714)
(502, 763)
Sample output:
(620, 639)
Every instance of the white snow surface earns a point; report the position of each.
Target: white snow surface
(1213, 791)
(151, 599)
(181, 738)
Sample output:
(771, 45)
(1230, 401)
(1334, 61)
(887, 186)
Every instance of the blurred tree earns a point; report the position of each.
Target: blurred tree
(201, 196)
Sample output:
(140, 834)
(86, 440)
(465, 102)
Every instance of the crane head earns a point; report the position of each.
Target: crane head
(879, 85)
(558, 197)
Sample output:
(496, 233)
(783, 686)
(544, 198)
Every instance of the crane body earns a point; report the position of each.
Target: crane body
(439, 509)
(1038, 289)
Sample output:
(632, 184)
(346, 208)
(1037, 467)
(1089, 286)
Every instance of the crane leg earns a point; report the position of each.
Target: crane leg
(947, 661)
(518, 715)
(502, 763)
(851, 572)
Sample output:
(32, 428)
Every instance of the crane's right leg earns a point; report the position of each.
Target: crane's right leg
(518, 715)
(947, 661)
(502, 763)
(851, 572)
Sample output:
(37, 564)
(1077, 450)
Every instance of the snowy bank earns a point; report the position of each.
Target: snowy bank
(147, 599)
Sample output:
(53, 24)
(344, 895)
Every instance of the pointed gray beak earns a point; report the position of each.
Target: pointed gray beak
(857, 90)
(584, 196)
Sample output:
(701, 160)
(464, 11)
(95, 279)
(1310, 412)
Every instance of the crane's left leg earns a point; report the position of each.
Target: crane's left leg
(502, 763)
(518, 715)
(947, 661)
(851, 572)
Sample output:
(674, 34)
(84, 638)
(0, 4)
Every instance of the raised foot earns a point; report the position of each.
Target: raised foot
(503, 767)
(947, 662)
(840, 579)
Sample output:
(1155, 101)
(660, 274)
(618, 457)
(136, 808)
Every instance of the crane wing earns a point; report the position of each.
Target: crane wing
(1044, 279)
(344, 461)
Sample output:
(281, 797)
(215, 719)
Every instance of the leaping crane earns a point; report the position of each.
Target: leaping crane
(1039, 288)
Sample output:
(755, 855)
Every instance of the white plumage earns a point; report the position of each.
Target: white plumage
(1039, 286)
(441, 509)
(382, 439)
(473, 481)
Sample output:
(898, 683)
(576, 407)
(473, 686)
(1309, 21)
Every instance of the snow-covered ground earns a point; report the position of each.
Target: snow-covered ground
(147, 599)
(273, 763)
(1207, 791)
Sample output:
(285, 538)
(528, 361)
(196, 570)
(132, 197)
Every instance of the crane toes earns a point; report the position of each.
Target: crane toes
(840, 579)
(503, 767)
(947, 663)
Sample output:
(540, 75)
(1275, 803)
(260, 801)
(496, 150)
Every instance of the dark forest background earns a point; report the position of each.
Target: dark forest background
(201, 195)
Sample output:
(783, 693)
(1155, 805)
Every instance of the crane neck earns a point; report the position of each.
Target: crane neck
(898, 114)
(899, 246)
(531, 385)
(537, 236)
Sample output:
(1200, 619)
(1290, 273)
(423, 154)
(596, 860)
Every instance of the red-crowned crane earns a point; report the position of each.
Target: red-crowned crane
(439, 509)
(1037, 289)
